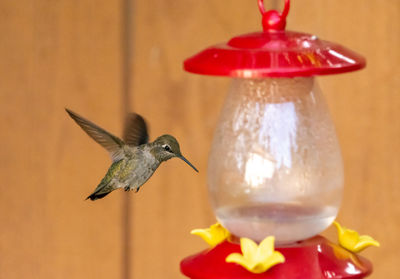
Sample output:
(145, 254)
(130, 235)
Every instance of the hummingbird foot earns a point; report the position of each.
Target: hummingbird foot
(127, 189)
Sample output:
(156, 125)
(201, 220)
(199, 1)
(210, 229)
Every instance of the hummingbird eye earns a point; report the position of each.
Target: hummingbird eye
(167, 148)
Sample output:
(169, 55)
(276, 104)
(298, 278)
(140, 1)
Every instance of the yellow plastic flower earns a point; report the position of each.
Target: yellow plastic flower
(352, 241)
(257, 258)
(214, 235)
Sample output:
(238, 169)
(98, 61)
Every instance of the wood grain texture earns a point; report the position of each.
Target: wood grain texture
(366, 109)
(57, 54)
(364, 105)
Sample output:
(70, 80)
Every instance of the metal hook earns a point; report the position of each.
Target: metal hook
(284, 12)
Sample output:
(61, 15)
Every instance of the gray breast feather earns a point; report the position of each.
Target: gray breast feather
(144, 166)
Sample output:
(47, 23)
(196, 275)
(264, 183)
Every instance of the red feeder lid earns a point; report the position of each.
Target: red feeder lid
(274, 53)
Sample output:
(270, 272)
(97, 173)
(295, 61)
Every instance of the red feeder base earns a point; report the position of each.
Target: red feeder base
(316, 258)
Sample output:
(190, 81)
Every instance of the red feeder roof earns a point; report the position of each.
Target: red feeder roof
(274, 53)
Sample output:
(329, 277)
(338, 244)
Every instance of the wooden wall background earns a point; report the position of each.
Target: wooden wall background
(69, 53)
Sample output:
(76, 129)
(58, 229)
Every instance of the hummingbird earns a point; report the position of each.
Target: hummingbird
(134, 159)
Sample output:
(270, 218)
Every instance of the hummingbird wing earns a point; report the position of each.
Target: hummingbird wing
(135, 130)
(110, 142)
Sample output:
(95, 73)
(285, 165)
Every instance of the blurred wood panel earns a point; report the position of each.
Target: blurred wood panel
(365, 106)
(57, 54)
(366, 110)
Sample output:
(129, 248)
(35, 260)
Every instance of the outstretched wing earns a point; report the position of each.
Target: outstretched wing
(110, 142)
(135, 130)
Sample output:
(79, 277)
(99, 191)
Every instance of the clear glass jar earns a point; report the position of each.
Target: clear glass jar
(275, 166)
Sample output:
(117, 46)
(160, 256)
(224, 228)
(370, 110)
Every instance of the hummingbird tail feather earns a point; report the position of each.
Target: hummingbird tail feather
(96, 196)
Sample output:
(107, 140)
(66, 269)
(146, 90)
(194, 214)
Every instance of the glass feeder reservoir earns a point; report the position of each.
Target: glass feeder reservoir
(275, 166)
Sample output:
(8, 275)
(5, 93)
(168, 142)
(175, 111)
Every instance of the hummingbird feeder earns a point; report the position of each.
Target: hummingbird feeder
(275, 167)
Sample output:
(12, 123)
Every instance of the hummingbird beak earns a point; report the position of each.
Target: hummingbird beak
(187, 162)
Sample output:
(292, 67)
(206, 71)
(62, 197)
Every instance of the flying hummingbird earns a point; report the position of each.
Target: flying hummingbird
(134, 159)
